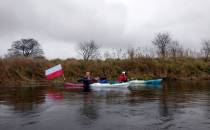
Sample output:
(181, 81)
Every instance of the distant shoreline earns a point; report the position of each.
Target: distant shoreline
(17, 70)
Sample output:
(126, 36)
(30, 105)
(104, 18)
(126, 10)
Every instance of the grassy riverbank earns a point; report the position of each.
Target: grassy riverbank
(22, 69)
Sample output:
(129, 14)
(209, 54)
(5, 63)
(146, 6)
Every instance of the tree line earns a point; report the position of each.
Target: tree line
(164, 47)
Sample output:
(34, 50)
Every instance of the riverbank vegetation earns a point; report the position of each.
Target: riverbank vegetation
(166, 59)
(25, 69)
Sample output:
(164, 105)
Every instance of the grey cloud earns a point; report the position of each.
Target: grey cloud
(111, 24)
(70, 21)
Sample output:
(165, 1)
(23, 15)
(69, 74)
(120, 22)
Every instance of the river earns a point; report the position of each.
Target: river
(175, 105)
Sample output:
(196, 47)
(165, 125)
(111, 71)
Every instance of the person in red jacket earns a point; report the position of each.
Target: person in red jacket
(123, 77)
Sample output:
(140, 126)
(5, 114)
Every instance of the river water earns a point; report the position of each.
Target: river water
(175, 105)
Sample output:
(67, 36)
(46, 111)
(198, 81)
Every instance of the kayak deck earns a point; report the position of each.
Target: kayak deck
(108, 85)
(114, 85)
(153, 81)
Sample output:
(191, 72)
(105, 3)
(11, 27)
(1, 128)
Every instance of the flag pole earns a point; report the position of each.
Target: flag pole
(64, 77)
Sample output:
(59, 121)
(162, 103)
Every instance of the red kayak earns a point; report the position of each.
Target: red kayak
(73, 85)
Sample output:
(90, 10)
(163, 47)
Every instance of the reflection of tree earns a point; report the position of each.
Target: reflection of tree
(113, 97)
(208, 108)
(164, 110)
(208, 103)
(143, 95)
(23, 99)
(89, 110)
(177, 97)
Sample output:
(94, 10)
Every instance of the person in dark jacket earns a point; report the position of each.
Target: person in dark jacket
(87, 80)
(103, 79)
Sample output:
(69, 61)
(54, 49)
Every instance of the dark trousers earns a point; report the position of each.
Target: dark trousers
(86, 88)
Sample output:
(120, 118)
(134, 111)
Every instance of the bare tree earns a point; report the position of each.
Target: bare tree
(139, 52)
(88, 50)
(144, 52)
(175, 49)
(131, 53)
(119, 53)
(162, 41)
(26, 47)
(206, 49)
(107, 55)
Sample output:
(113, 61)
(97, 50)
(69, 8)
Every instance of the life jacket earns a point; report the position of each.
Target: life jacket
(122, 78)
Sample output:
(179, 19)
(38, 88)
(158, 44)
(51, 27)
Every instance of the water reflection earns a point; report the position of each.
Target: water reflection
(22, 99)
(182, 103)
(174, 105)
(55, 94)
(88, 110)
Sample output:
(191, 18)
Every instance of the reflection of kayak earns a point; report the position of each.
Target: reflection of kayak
(96, 86)
(55, 95)
(73, 85)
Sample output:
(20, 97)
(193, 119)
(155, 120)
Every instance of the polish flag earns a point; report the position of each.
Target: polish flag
(54, 72)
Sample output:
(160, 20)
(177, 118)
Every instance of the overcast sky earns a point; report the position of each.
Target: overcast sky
(59, 25)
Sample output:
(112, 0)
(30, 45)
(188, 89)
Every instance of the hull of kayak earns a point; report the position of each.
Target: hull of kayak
(73, 86)
(154, 81)
(108, 85)
(144, 86)
(99, 86)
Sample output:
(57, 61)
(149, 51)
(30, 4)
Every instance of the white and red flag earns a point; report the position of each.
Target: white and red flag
(54, 72)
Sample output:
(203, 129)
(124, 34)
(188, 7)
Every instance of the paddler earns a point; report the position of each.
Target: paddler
(87, 80)
(123, 77)
(103, 79)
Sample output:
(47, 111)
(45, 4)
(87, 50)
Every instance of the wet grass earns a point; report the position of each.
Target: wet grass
(15, 70)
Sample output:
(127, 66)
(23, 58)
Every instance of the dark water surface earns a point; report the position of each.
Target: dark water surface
(182, 105)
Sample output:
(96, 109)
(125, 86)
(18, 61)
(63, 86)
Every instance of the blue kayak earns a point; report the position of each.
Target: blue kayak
(125, 85)
(117, 85)
(153, 81)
